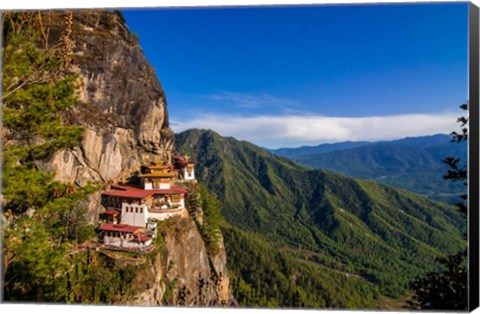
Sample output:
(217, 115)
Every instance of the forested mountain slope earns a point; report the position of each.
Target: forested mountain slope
(413, 163)
(302, 226)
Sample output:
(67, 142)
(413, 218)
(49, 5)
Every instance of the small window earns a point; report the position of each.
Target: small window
(141, 210)
(136, 210)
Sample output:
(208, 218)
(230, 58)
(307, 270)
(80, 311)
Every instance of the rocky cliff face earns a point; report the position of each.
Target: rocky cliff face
(122, 105)
(123, 110)
(187, 275)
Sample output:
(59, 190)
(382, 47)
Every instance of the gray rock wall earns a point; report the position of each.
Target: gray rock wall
(122, 106)
(123, 110)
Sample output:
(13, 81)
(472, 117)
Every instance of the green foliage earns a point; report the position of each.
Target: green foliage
(458, 170)
(36, 90)
(273, 277)
(210, 228)
(44, 219)
(383, 235)
(169, 292)
(204, 207)
(120, 15)
(463, 135)
(95, 278)
(447, 289)
(36, 247)
(135, 37)
(414, 164)
(443, 290)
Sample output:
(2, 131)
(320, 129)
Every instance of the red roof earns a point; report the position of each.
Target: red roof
(181, 160)
(141, 238)
(129, 193)
(172, 190)
(134, 192)
(111, 212)
(119, 228)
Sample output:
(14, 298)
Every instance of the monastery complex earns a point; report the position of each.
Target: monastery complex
(132, 210)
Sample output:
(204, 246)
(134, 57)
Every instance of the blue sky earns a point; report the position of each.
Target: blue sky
(291, 76)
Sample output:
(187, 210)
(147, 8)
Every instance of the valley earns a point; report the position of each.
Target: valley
(327, 224)
(414, 164)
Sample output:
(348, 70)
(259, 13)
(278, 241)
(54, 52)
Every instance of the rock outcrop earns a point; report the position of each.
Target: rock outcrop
(123, 110)
(122, 105)
(188, 275)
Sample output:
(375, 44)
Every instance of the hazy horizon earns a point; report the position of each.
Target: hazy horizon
(313, 144)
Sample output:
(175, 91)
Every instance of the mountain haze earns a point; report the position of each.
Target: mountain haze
(413, 163)
(315, 224)
(319, 149)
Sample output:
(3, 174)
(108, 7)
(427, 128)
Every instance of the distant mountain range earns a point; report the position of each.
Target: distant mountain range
(413, 163)
(296, 236)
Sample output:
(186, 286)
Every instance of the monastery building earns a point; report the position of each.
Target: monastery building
(132, 211)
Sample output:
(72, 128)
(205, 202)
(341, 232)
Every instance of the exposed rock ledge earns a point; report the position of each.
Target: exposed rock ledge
(194, 277)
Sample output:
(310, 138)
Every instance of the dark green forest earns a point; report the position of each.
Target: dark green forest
(43, 219)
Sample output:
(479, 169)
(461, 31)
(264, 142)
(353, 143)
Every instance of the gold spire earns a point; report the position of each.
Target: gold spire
(158, 160)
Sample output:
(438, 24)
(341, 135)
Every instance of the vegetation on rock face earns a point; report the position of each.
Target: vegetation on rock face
(210, 228)
(356, 228)
(204, 207)
(43, 220)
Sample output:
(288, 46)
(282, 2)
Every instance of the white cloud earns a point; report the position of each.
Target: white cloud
(297, 130)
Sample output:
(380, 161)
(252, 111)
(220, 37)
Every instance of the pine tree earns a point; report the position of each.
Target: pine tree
(42, 219)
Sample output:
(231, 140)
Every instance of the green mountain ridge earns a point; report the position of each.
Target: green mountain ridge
(383, 237)
(435, 141)
(413, 163)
